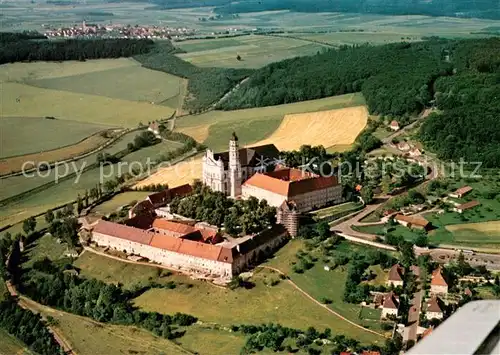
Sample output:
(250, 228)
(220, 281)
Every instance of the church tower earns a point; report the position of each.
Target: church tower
(234, 167)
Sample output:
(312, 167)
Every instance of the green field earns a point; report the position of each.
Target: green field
(211, 342)
(132, 83)
(23, 135)
(252, 125)
(334, 210)
(255, 51)
(44, 247)
(9, 345)
(350, 38)
(88, 337)
(119, 201)
(114, 271)
(65, 191)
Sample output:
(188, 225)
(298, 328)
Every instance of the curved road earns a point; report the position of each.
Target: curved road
(294, 285)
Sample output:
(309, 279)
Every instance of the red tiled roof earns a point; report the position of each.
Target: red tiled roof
(288, 182)
(159, 198)
(390, 301)
(433, 305)
(144, 206)
(171, 226)
(463, 190)
(370, 352)
(181, 191)
(417, 221)
(437, 278)
(124, 232)
(394, 123)
(396, 273)
(142, 221)
(468, 205)
(415, 270)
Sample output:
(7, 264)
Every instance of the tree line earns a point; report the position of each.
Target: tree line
(23, 48)
(395, 78)
(453, 8)
(206, 85)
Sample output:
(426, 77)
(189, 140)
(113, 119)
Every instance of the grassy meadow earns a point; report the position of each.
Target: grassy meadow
(64, 105)
(88, 337)
(67, 190)
(24, 135)
(254, 51)
(253, 125)
(10, 345)
(133, 83)
(119, 201)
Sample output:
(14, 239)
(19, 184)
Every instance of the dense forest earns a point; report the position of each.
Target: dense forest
(18, 48)
(467, 127)
(454, 8)
(206, 85)
(395, 79)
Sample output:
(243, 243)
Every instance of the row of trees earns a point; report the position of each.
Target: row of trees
(483, 9)
(27, 327)
(49, 284)
(237, 216)
(206, 85)
(70, 49)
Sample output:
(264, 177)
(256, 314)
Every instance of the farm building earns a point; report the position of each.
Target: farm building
(394, 125)
(225, 172)
(395, 277)
(159, 199)
(466, 206)
(307, 191)
(390, 305)
(154, 127)
(413, 222)
(191, 252)
(461, 192)
(438, 283)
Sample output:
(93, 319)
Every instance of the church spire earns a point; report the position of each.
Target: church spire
(234, 167)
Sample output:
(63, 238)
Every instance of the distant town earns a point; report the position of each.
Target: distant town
(87, 30)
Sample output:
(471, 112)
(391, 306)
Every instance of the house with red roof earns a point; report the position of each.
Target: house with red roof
(434, 308)
(438, 283)
(394, 125)
(395, 277)
(390, 305)
(306, 190)
(466, 206)
(461, 192)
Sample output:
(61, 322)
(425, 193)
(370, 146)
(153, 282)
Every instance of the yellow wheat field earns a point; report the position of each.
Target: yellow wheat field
(492, 227)
(181, 173)
(326, 128)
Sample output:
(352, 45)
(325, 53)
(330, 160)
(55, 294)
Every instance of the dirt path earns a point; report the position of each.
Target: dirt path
(294, 285)
(34, 307)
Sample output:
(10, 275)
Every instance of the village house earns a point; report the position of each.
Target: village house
(434, 308)
(413, 222)
(395, 277)
(191, 253)
(403, 146)
(438, 283)
(306, 190)
(466, 206)
(461, 192)
(415, 152)
(154, 127)
(394, 125)
(390, 305)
